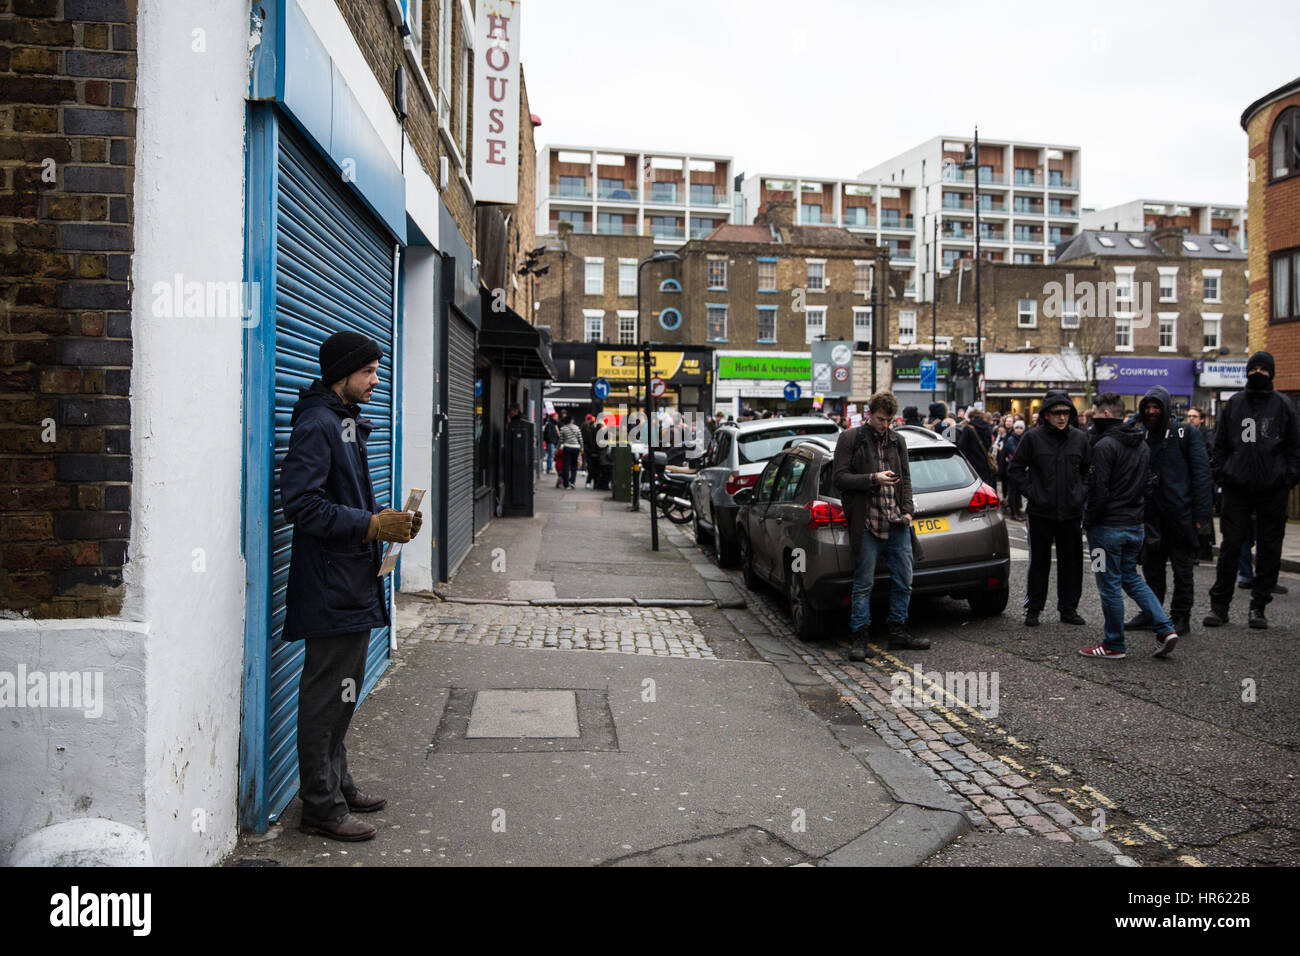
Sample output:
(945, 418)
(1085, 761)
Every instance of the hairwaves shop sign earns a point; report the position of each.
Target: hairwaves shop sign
(496, 101)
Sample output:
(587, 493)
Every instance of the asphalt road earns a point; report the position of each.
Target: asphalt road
(1189, 759)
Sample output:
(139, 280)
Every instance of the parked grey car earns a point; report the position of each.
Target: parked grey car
(735, 457)
(963, 548)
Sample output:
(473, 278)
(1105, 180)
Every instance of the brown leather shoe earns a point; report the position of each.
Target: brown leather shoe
(346, 828)
(360, 803)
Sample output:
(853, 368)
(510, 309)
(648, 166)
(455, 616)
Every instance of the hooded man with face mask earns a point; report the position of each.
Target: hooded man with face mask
(1257, 461)
(1178, 505)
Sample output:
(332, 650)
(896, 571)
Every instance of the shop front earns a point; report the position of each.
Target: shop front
(1016, 383)
(756, 381)
(1216, 382)
(687, 374)
(907, 379)
(1131, 377)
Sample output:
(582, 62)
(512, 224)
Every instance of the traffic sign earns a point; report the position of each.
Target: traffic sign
(929, 374)
(840, 374)
(600, 388)
(792, 391)
(657, 387)
(981, 384)
(478, 388)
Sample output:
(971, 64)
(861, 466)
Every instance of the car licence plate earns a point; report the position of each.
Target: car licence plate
(927, 525)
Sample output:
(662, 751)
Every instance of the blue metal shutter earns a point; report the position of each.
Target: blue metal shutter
(334, 271)
(460, 440)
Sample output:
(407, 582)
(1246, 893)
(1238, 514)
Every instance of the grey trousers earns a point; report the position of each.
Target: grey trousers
(327, 695)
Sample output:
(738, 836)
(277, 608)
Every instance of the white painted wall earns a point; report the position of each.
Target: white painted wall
(417, 408)
(187, 427)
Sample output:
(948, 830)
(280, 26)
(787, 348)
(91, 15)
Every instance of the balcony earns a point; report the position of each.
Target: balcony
(617, 193)
(992, 235)
(955, 206)
(615, 229)
(906, 223)
(810, 217)
(570, 190)
(1029, 237)
(904, 256)
(1027, 181)
(1059, 212)
(707, 197)
(582, 228)
(699, 232)
(858, 216)
(668, 232)
(997, 208)
(993, 178)
(966, 234)
(1060, 182)
(665, 193)
(1026, 210)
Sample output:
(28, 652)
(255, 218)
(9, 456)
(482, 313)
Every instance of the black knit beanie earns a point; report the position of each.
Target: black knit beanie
(1263, 360)
(343, 353)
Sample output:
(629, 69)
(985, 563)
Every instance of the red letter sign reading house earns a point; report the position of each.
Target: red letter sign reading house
(496, 101)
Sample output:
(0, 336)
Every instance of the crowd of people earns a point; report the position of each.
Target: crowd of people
(1142, 489)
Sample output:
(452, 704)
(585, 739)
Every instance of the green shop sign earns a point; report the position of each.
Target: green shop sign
(735, 366)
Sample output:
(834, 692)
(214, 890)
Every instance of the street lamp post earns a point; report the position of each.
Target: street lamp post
(973, 162)
(661, 256)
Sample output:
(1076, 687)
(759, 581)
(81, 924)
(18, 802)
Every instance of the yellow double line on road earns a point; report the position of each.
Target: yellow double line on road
(1088, 800)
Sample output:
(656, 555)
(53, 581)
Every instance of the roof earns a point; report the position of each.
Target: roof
(733, 232)
(1088, 242)
(1285, 90)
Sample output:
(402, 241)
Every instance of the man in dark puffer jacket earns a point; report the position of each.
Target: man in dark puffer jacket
(1115, 516)
(1257, 460)
(1051, 470)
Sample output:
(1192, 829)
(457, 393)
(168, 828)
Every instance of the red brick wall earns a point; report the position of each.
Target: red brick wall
(1273, 211)
(67, 147)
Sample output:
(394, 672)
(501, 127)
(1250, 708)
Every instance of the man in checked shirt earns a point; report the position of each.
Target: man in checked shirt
(875, 483)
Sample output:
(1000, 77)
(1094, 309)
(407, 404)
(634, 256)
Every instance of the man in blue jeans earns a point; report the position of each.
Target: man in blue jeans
(871, 471)
(1114, 516)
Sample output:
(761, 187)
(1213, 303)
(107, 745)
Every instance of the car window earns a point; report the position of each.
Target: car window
(825, 486)
(787, 485)
(759, 446)
(723, 456)
(938, 469)
(767, 480)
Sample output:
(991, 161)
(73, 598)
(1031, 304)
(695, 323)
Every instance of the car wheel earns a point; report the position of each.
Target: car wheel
(808, 622)
(702, 537)
(728, 551)
(752, 580)
(990, 603)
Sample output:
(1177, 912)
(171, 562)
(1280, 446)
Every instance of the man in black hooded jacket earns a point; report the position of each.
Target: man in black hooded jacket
(1177, 505)
(1051, 470)
(1257, 461)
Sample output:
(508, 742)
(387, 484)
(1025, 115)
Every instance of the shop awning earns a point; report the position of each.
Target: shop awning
(521, 349)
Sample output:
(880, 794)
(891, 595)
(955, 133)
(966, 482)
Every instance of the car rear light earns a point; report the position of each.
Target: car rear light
(984, 497)
(994, 584)
(823, 514)
(736, 481)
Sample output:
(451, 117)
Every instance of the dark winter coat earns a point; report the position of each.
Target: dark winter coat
(551, 432)
(855, 462)
(1006, 453)
(1272, 459)
(974, 441)
(334, 584)
(1181, 486)
(1051, 465)
(1117, 481)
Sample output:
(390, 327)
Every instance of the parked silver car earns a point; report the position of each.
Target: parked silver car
(735, 457)
(791, 532)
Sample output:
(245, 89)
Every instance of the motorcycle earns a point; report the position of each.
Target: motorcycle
(672, 489)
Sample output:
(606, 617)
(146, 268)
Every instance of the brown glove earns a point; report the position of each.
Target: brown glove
(390, 525)
(417, 520)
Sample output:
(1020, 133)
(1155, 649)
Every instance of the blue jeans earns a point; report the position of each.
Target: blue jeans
(898, 554)
(1119, 570)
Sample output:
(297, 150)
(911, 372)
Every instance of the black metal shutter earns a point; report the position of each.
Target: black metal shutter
(460, 440)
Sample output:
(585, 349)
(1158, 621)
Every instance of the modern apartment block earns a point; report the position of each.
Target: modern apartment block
(1029, 198)
(883, 213)
(1225, 221)
(630, 192)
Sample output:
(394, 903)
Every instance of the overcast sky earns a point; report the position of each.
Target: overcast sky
(1151, 91)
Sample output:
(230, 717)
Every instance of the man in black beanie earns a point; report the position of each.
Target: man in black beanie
(1256, 460)
(335, 595)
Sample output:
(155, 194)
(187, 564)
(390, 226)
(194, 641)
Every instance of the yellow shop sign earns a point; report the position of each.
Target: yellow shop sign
(622, 365)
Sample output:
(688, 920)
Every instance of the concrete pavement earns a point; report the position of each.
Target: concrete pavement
(700, 739)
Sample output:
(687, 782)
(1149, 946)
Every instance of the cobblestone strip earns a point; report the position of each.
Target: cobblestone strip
(996, 792)
(652, 631)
